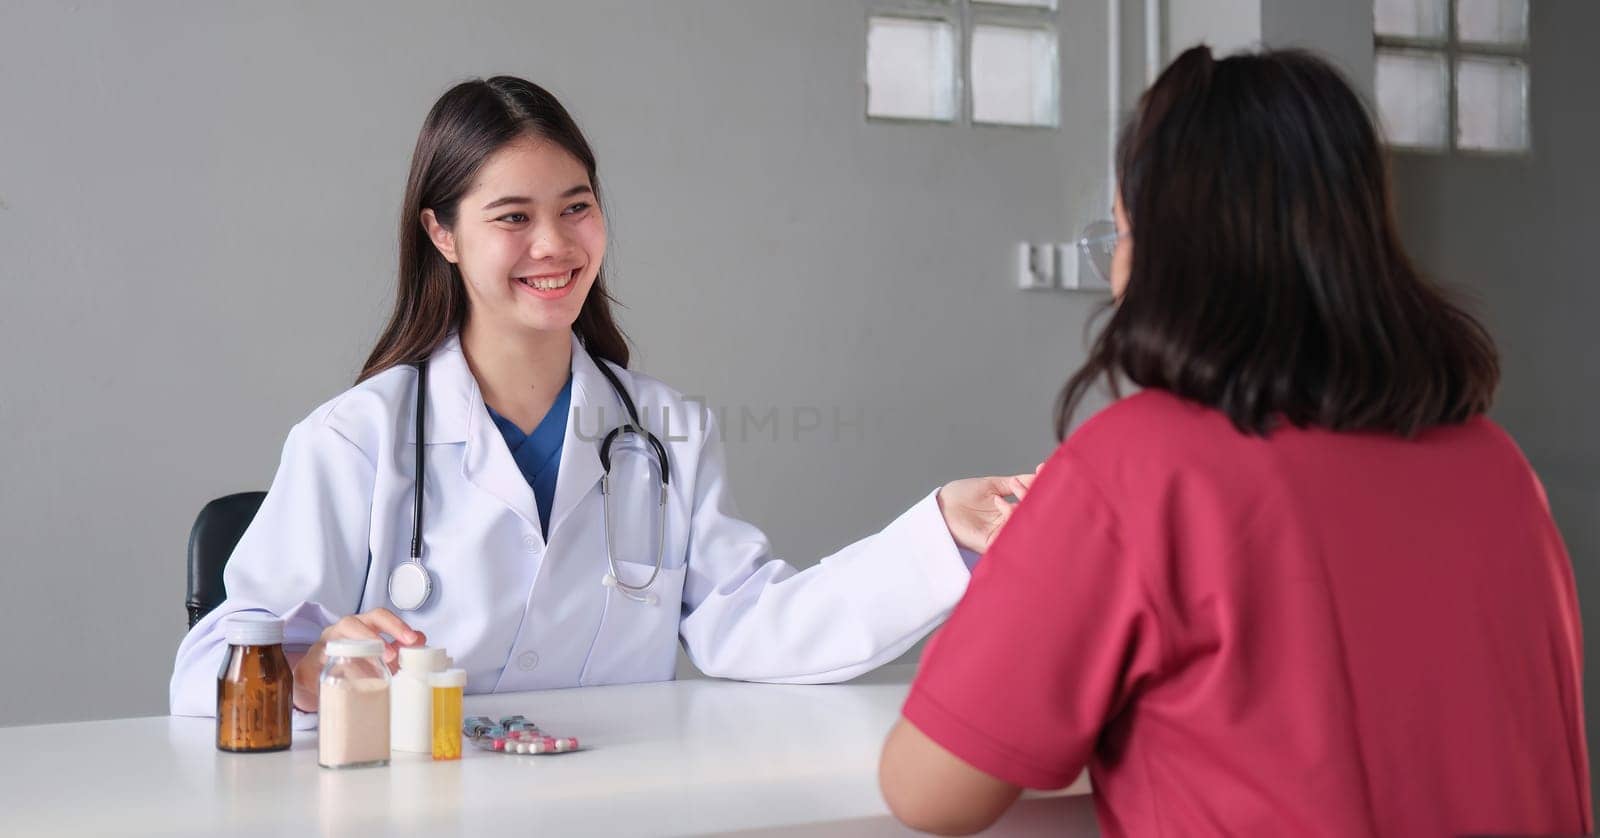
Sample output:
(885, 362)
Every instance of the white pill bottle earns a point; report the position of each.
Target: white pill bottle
(411, 699)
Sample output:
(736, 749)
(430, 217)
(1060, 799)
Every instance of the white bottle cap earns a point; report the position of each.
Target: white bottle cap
(448, 678)
(253, 630)
(423, 659)
(355, 648)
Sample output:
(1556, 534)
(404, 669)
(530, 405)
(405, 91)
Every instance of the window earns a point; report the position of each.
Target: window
(1453, 74)
(988, 62)
(911, 69)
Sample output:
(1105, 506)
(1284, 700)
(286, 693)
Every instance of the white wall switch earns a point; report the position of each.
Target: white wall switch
(1036, 266)
(1066, 265)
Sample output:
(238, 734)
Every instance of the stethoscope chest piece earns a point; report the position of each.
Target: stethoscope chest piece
(410, 585)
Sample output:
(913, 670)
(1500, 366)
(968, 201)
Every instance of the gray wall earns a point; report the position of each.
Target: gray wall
(1223, 25)
(1340, 30)
(1517, 235)
(197, 216)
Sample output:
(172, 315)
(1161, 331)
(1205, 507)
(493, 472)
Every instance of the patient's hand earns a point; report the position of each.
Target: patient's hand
(976, 508)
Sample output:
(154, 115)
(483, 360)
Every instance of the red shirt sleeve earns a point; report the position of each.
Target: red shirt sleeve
(1054, 631)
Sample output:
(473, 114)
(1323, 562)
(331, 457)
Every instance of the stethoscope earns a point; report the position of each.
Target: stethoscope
(411, 584)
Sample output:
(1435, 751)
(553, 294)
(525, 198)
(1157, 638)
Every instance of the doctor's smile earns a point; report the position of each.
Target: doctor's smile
(548, 286)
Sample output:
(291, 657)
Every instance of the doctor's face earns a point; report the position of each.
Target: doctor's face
(528, 239)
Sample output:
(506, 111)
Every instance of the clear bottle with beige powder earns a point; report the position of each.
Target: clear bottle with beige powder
(353, 706)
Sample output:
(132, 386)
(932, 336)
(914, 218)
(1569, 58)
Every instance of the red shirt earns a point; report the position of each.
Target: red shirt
(1312, 634)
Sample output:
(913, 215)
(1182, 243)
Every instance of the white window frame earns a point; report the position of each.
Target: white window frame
(963, 15)
(1453, 49)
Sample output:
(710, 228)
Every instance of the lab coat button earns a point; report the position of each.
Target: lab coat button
(531, 542)
(527, 661)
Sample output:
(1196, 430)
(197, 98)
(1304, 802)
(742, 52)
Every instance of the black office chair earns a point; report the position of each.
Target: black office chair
(216, 530)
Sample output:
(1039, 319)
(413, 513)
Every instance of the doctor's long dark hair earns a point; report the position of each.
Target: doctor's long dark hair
(1268, 279)
(468, 124)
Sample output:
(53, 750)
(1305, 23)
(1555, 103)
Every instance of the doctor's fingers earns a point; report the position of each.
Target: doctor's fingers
(350, 628)
(999, 514)
(363, 627)
(353, 628)
(384, 621)
(1019, 484)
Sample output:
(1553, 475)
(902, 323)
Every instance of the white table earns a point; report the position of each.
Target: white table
(679, 758)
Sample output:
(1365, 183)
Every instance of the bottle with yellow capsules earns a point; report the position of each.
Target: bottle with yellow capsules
(448, 687)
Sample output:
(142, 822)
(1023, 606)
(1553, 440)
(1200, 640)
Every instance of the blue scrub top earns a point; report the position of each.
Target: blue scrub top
(538, 454)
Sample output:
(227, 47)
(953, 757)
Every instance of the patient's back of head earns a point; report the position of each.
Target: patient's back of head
(1267, 277)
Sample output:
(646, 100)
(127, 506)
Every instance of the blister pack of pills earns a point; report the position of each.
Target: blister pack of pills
(514, 735)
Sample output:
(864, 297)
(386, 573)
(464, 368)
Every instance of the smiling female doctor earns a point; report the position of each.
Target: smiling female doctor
(542, 549)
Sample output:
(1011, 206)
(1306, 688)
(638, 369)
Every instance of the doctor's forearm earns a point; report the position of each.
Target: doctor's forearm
(850, 613)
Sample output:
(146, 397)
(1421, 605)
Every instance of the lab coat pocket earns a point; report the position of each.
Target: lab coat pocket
(638, 641)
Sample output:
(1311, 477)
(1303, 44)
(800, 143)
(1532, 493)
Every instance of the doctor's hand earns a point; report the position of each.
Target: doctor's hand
(377, 624)
(976, 508)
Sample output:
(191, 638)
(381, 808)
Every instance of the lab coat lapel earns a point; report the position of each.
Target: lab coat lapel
(451, 389)
(486, 463)
(595, 410)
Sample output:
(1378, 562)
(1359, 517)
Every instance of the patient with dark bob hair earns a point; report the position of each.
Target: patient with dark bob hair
(1298, 583)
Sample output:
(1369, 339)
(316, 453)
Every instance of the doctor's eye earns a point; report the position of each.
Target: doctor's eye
(577, 208)
(514, 217)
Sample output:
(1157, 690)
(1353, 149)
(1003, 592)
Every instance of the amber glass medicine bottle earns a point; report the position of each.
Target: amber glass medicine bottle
(255, 688)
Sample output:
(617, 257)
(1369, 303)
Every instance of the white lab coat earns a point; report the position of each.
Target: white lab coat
(519, 613)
